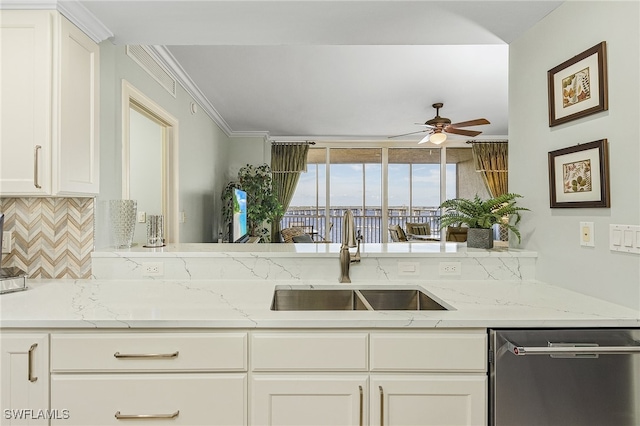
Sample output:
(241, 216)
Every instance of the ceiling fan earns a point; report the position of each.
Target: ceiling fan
(438, 126)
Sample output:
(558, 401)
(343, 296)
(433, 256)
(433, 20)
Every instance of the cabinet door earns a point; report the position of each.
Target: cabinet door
(25, 116)
(78, 166)
(163, 398)
(24, 379)
(426, 400)
(302, 400)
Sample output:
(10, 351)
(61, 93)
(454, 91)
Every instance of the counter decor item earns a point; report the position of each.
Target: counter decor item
(578, 86)
(122, 214)
(579, 176)
(155, 231)
(480, 216)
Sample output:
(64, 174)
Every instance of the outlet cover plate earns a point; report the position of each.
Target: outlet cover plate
(7, 241)
(450, 268)
(152, 269)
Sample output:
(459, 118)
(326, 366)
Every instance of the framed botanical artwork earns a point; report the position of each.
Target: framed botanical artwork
(579, 176)
(578, 86)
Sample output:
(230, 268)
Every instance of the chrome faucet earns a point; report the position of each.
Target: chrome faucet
(349, 239)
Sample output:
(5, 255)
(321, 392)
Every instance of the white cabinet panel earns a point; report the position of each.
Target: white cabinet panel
(429, 400)
(433, 350)
(149, 351)
(25, 117)
(309, 351)
(177, 399)
(50, 106)
(304, 400)
(24, 378)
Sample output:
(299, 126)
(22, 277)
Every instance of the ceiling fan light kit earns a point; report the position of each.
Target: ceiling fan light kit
(439, 126)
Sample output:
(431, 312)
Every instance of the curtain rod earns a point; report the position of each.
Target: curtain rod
(488, 141)
(292, 143)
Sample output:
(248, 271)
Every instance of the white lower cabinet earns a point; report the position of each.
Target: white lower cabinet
(394, 378)
(237, 377)
(178, 378)
(180, 399)
(305, 400)
(428, 400)
(24, 379)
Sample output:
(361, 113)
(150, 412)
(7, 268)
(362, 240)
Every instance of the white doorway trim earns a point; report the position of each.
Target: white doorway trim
(133, 98)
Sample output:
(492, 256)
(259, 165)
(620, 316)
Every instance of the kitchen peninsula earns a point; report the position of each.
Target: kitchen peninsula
(211, 351)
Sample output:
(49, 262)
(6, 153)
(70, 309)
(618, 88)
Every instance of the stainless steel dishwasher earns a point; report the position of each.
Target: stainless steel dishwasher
(585, 377)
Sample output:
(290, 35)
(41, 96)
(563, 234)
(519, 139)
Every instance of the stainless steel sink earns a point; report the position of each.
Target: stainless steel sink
(353, 299)
(401, 299)
(310, 299)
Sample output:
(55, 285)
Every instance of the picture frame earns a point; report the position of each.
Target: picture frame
(579, 176)
(578, 86)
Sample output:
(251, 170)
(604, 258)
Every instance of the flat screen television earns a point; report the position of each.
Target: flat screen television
(239, 232)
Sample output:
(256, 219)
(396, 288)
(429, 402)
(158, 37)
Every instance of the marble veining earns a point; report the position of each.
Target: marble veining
(98, 304)
(380, 262)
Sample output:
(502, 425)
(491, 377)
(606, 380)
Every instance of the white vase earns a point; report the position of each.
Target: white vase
(122, 214)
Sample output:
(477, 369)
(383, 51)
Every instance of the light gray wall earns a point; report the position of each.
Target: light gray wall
(554, 233)
(247, 150)
(203, 149)
(145, 151)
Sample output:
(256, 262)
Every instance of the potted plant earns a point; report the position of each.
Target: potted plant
(480, 216)
(262, 202)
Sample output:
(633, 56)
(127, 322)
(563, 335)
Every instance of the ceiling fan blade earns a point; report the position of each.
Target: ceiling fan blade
(471, 133)
(476, 122)
(407, 134)
(425, 125)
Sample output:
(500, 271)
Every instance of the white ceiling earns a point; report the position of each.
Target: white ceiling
(314, 69)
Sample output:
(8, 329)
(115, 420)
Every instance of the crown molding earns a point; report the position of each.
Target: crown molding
(80, 16)
(250, 134)
(162, 54)
(73, 10)
(29, 4)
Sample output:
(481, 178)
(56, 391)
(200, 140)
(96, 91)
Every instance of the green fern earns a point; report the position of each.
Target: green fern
(478, 213)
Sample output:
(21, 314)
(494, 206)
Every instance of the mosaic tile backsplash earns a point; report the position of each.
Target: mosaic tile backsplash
(52, 237)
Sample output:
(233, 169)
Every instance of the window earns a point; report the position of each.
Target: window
(382, 186)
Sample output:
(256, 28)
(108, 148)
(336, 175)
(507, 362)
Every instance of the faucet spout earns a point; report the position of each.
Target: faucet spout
(348, 240)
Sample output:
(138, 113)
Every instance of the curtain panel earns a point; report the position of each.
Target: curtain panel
(491, 160)
(288, 160)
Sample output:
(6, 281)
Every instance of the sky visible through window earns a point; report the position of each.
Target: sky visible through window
(347, 185)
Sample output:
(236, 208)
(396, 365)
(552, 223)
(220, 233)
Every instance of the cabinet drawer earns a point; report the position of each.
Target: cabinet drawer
(309, 351)
(149, 352)
(192, 399)
(451, 350)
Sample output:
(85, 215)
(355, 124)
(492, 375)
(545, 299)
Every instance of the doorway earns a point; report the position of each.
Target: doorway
(150, 161)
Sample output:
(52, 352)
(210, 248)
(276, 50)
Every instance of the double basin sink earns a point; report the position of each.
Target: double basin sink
(286, 298)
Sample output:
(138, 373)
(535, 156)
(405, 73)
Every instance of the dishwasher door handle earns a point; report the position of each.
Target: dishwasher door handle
(572, 349)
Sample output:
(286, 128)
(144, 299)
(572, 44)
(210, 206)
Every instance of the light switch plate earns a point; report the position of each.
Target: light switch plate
(624, 238)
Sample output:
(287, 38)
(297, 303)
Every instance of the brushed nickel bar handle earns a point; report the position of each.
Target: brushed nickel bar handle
(146, 356)
(36, 178)
(361, 405)
(146, 416)
(30, 368)
(572, 350)
(381, 406)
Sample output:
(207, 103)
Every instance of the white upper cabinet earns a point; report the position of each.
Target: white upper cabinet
(49, 118)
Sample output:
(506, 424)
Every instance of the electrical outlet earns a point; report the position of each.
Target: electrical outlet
(7, 242)
(152, 269)
(450, 268)
(142, 217)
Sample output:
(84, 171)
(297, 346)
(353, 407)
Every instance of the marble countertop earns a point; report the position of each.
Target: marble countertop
(112, 304)
(415, 249)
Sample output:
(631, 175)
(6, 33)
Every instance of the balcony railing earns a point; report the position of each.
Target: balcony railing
(369, 224)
